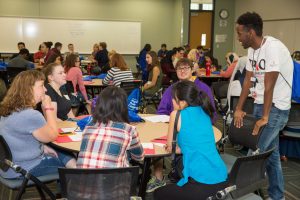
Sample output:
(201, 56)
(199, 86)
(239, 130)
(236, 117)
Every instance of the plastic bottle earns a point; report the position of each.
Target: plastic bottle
(89, 69)
(208, 67)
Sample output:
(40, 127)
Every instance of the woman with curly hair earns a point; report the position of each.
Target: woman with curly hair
(26, 131)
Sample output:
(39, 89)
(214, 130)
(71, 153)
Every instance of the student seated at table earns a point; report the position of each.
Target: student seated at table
(96, 48)
(74, 74)
(54, 58)
(119, 71)
(26, 131)
(55, 78)
(102, 57)
(38, 55)
(155, 74)
(21, 61)
(21, 45)
(108, 142)
(231, 59)
(204, 172)
(184, 70)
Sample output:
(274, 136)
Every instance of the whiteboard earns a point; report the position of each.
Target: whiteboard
(124, 37)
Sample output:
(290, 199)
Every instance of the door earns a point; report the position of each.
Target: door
(200, 29)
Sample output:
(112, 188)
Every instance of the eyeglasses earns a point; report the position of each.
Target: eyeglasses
(77, 61)
(186, 68)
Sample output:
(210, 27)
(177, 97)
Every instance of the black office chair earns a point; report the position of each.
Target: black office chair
(12, 72)
(99, 184)
(290, 135)
(228, 117)
(80, 106)
(220, 89)
(153, 99)
(129, 86)
(246, 173)
(27, 180)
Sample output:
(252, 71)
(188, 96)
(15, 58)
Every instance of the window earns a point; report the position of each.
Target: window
(203, 40)
(195, 6)
(207, 7)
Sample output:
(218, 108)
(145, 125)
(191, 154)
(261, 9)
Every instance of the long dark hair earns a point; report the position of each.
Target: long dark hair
(187, 91)
(155, 61)
(70, 61)
(111, 105)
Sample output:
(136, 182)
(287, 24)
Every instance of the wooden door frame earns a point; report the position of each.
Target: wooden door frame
(212, 25)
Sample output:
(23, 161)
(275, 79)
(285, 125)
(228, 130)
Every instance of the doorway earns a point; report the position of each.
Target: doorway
(200, 32)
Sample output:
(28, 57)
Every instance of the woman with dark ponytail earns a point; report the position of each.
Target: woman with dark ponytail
(204, 172)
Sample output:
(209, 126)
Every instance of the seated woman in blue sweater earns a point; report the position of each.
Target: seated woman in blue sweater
(204, 172)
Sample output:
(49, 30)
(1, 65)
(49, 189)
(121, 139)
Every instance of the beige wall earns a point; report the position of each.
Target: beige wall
(221, 48)
(281, 20)
(161, 19)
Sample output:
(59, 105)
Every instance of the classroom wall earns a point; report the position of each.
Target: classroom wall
(162, 20)
(223, 30)
(281, 20)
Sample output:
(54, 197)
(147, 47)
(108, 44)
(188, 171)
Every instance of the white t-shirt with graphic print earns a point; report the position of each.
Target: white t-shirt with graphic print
(272, 56)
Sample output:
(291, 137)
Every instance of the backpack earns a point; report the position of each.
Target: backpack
(133, 102)
(296, 82)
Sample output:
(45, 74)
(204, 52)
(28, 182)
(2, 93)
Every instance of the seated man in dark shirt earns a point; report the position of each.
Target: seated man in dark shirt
(21, 45)
(21, 61)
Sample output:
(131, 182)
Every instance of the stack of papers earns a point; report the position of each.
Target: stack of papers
(157, 118)
(68, 135)
(148, 148)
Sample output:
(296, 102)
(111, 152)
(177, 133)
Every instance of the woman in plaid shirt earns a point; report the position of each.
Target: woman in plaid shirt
(106, 142)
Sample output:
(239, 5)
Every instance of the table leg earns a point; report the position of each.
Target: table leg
(145, 177)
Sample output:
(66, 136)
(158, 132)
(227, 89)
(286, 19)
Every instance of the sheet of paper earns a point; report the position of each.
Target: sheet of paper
(148, 148)
(75, 138)
(157, 118)
(147, 145)
(159, 144)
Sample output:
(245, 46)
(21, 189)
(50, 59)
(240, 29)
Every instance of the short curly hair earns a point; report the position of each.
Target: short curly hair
(251, 21)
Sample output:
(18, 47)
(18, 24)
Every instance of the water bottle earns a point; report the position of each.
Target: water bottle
(208, 66)
(89, 69)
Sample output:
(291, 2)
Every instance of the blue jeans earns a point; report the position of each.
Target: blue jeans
(269, 139)
(49, 164)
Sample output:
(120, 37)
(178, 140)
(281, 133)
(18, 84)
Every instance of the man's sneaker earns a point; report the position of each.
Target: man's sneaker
(155, 183)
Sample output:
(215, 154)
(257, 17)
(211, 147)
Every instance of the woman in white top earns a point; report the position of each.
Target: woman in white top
(119, 71)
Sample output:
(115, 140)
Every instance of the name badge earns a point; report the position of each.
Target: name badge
(67, 97)
(253, 79)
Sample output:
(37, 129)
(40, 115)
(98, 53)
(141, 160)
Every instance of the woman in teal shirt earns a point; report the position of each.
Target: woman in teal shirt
(204, 172)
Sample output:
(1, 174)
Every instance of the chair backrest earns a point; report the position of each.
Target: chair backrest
(248, 174)
(248, 105)
(243, 135)
(294, 116)
(12, 72)
(5, 154)
(129, 86)
(69, 87)
(220, 89)
(104, 184)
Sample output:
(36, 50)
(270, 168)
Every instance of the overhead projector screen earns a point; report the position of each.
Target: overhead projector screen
(122, 36)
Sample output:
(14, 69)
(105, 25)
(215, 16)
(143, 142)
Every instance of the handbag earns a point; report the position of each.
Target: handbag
(76, 99)
(177, 165)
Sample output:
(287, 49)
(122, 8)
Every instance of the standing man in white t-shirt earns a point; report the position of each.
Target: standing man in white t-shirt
(269, 78)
